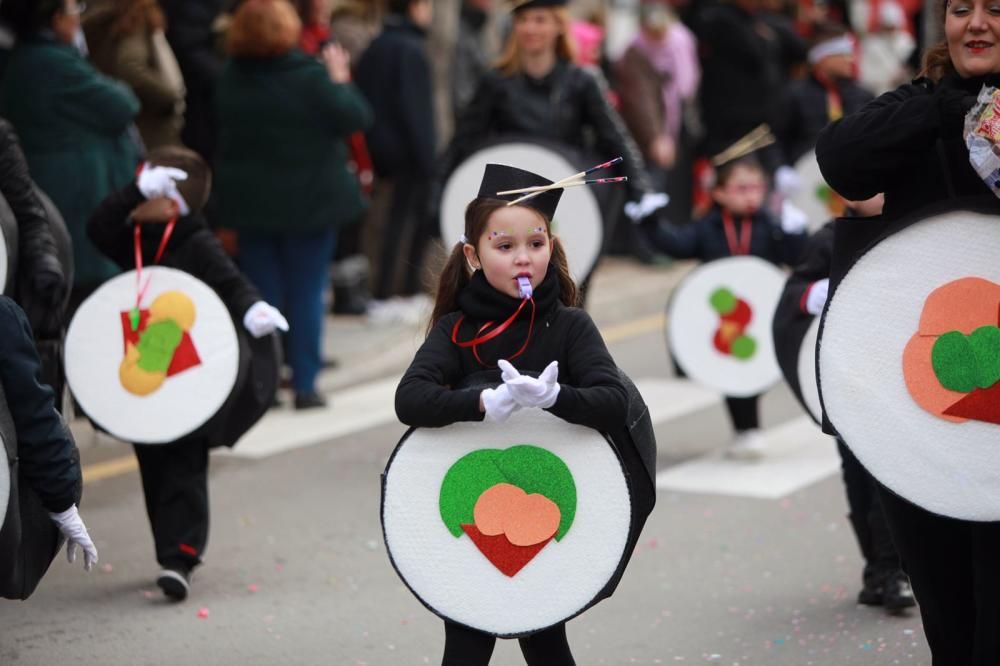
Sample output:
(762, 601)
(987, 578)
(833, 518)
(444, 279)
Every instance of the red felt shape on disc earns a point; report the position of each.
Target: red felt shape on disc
(980, 405)
(185, 356)
(504, 555)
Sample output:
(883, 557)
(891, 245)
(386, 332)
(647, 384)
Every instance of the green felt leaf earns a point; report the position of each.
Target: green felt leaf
(467, 479)
(964, 363)
(722, 300)
(743, 347)
(157, 345)
(530, 468)
(133, 318)
(985, 342)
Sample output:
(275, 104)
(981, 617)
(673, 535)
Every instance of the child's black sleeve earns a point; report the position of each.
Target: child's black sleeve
(201, 254)
(679, 242)
(49, 459)
(109, 227)
(591, 392)
(425, 397)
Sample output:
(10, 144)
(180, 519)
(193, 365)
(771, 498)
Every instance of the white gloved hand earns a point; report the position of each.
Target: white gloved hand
(649, 204)
(816, 298)
(263, 319)
(530, 392)
(72, 527)
(159, 181)
(787, 181)
(793, 220)
(498, 403)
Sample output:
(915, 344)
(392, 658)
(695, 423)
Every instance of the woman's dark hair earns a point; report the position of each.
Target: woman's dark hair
(725, 171)
(198, 185)
(937, 62)
(401, 7)
(456, 272)
(137, 15)
(28, 17)
(825, 31)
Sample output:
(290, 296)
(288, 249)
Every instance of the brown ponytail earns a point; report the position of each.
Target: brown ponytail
(937, 60)
(454, 276)
(568, 292)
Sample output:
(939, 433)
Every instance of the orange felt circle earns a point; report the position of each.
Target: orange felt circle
(493, 506)
(922, 383)
(525, 519)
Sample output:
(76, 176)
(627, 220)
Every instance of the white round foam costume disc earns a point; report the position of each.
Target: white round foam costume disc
(807, 372)
(814, 195)
(184, 401)
(453, 577)
(692, 325)
(8, 246)
(578, 221)
(880, 306)
(4, 480)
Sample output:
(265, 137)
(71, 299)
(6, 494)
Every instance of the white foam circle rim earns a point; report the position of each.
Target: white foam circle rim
(454, 579)
(4, 261)
(4, 481)
(185, 401)
(807, 371)
(806, 199)
(692, 323)
(578, 221)
(947, 468)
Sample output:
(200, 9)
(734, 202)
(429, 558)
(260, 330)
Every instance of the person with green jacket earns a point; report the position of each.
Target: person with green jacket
(281, 175)
(73, 124)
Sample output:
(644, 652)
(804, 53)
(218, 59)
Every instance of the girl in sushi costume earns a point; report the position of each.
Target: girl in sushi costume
(542, 334)
(174, 185)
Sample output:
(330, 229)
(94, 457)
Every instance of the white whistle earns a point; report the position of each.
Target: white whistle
(524, 286)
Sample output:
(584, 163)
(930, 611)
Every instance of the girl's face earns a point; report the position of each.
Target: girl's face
(743, 193)
(536, 30)
(972, 29)
(514, 244)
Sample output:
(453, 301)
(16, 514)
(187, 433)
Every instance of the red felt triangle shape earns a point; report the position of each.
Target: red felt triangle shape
(185, 356)
(980, 405)
(504, 555)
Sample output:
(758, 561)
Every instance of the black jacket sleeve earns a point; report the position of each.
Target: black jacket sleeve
(417, 90)
(49, 459)
(201, 254)
(425, 397)
(679, 242)
(591, 391)
(861, 153)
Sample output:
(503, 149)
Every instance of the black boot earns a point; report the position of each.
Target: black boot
(898, 595)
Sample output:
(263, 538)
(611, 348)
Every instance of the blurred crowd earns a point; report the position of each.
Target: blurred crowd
(323, 120)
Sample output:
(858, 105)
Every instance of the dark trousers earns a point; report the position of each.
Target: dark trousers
(867, 519)
(467, 647)
(175, 485)
(408, 230)
(954, 568)
(743, 413)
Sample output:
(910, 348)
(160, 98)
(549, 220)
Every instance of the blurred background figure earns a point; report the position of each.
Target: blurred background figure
(283, 182)
(127, 41)
(657, 80)
(354, 24)
(73, 128)
(394, 73)
(472, 52)
(886, 46)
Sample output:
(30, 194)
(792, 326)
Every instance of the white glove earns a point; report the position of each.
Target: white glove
(787, 181)
(528, 391)
(816, 298)
(263, 319)
(498, 403)
(72, 527)
(793, 220)
(159, 181)
(649, 204)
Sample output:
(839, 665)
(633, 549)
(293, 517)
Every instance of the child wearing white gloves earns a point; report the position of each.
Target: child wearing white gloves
(169, 193)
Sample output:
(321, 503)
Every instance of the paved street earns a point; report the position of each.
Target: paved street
(740, 564)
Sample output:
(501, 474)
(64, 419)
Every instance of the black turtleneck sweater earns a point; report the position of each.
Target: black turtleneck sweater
(591, 392)
(906, 143)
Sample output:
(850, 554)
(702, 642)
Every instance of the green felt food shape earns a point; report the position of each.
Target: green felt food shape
(743, 347)
(964, 363)
(530, 468)
(157, 345)
(722, 300)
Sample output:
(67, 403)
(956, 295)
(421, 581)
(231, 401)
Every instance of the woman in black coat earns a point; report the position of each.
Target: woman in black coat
(909, 144)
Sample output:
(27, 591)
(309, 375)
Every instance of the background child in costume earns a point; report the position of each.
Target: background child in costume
(737, 224)
(805, 295)
(49, 460)
(175, 183)
(578, 381)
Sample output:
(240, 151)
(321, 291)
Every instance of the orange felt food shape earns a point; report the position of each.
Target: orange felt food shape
(159, 345)
(957, 309)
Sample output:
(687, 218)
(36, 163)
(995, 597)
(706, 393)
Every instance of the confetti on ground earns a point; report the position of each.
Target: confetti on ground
(107, 568)
(202, 613)
(252, 588)
(148, 594)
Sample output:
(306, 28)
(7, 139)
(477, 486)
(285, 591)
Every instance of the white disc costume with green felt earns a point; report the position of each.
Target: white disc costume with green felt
(506, 528)
(157, 373)
(814, 197)
(807, 372)
(578, 223)
(909, 363)
(4, 480)
(8, 246)
(719, 325)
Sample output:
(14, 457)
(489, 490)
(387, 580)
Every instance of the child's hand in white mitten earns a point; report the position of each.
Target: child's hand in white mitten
(530, 392)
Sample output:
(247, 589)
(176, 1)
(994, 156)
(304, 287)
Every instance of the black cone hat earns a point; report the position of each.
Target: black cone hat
(500, 177)
(516, 5)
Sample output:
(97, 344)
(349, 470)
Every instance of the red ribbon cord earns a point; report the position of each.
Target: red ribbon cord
(137, 242)
(737, 246)
(481, 338)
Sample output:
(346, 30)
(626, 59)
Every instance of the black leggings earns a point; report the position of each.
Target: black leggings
(467, 647)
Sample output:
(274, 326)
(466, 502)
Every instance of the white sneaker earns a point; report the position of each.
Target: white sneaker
(747, 445)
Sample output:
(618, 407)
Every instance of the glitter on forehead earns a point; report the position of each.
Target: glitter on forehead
(494, 234)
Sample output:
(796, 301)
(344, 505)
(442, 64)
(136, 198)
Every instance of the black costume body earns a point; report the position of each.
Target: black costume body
(591, 394)
(45, 474)
(791, 321)
(706, 240)
(175, 475)
(908, 144)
